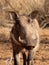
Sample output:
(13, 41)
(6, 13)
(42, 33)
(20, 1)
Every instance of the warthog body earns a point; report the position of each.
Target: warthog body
(24, 35)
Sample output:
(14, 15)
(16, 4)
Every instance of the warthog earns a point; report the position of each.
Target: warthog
(24, 35)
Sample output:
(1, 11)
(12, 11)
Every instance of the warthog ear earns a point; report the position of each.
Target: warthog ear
(34, 14)
(15, 17)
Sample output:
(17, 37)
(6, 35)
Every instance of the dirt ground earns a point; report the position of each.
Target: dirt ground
(6, 54)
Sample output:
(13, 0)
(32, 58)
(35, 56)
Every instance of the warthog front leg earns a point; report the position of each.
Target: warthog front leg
(17, 59)
(24, 58)
(30, 58)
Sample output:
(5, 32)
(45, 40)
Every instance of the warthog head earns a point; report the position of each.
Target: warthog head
(24, 30)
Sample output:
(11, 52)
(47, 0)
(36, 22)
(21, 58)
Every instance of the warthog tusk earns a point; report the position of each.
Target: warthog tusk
(15, 41)
(21, 40)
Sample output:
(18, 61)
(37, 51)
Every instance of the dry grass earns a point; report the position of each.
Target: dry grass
(23, 6)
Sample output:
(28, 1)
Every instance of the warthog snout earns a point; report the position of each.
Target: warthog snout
(28, 31)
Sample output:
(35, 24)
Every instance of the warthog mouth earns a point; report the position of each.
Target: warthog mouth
(21, 42)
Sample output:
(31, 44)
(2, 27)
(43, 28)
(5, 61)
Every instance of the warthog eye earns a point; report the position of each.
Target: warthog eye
(28, 20)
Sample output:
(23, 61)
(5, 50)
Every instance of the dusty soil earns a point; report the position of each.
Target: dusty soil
(6, 54)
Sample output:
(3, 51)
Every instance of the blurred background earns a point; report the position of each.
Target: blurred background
(35, 8)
